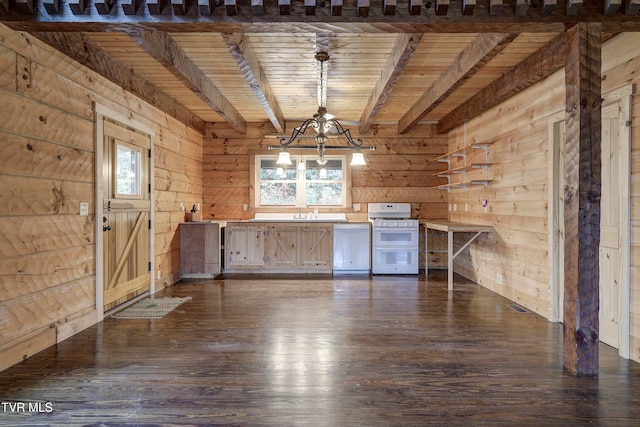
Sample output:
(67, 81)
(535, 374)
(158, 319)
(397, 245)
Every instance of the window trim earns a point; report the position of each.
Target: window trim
(254, 195)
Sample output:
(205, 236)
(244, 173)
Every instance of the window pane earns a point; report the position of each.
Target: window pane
(324, 193)
(332, 170)
(128, 171)
(278, 193)
(270, 171)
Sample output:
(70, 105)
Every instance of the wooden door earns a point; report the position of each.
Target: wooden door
(280, 245)
(614, 224)
(244, 246)
(126, 214)
(316, 246)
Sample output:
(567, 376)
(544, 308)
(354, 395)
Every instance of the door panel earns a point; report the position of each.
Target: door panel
(127, 208)
(612, 204)
(280, 245)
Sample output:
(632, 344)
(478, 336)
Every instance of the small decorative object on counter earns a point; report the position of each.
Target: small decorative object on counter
(194, 215)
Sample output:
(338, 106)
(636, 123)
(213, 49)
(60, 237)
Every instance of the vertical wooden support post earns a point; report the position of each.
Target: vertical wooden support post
(582, 198)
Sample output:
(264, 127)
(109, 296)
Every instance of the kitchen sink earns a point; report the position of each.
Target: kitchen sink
(301, 217)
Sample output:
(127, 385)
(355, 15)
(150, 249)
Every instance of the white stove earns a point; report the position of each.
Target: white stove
(395, 239)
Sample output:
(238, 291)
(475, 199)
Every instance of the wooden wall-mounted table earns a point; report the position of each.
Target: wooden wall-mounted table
(450, 228)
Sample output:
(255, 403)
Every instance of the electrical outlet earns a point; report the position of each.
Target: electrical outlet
(499, 278)
(159, 275)
(356, 207)
(84, 209)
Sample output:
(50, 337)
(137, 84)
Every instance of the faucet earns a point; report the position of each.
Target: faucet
(300, 215)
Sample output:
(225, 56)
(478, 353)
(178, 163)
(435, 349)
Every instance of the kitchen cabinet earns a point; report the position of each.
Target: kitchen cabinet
(316, 246)
(244, 245)
(199, 250)
(282, 247)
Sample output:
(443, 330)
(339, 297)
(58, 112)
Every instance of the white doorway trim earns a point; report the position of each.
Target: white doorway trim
(556, 218)
(142, 125)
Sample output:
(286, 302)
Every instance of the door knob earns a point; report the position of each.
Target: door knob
(106, 227)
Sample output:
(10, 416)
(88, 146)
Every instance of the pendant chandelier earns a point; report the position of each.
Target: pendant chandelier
(321, 122)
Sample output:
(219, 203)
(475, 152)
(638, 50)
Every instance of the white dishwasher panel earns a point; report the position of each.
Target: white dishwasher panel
(351, 248)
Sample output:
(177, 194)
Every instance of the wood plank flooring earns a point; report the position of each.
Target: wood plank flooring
(317, 351)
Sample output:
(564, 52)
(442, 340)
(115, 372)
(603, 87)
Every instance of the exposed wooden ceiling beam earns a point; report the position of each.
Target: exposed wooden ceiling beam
(435, 24)
(243, 52)
(415, 7)
(402, 51)
(310, 7)
(442, 6)
(389, 7)
(495, 7)
(611, 7)
(285, 7)
(468, 6)
(521, 7)
(336, 7)
(170, 55)
(78, 7)
(82, 49)
(205, 7)
(548, 6)
(27, 6)
(632, 7)
(104, 15)
(481, 50)
(155, 6)
(536, 67)
(574, 6)
(363, 8)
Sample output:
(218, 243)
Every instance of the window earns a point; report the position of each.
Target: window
(315, 185)
(128, 170)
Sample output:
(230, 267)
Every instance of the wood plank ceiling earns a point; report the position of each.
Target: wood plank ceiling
(386, 67)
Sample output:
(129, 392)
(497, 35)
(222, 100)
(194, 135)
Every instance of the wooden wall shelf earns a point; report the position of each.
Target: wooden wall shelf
(459, 166)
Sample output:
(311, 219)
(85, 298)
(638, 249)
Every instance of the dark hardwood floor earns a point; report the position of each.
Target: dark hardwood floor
(317, 351)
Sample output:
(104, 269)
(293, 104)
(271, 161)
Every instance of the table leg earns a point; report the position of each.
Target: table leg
(426, 251)
(450, 260)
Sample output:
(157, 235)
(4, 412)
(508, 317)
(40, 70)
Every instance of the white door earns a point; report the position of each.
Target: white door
(614, 227)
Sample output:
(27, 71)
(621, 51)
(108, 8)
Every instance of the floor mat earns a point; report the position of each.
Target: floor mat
(150, 308)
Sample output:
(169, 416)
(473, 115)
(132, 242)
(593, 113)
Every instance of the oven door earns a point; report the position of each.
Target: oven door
(400, 236)
(394, 260)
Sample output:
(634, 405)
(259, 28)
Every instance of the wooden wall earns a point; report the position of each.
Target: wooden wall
(518, 195)
(517, 251)
(400, 170)
(47, 167)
